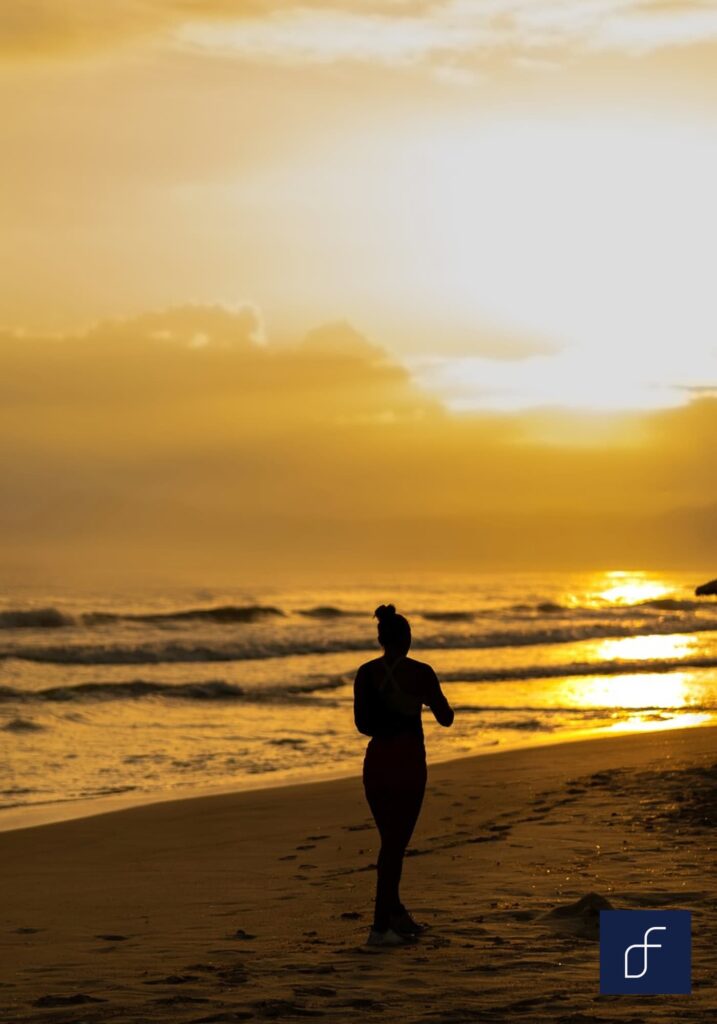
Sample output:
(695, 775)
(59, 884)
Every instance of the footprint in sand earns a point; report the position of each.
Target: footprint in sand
(77, 1000)
(235, 975)
(281, 1008)
(172, 979)
(360, 1003)
(180, 1000)
(224, 1017)
(311, 968)
(523, 1004)
(520, 915)
(314, 990)
(470, 931)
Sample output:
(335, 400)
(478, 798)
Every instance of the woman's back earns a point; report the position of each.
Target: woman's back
(389, 696)
(399, 689)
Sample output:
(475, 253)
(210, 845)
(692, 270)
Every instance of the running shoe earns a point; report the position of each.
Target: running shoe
(404, 924)
(387, 938)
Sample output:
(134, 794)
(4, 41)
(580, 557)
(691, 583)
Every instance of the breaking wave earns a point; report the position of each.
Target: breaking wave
(135, 689)
(34, 618)
(219, 689)
(53, 618)
(328, 611)
(448, 616)
(21, 725)
(615, 667)
(251, 647)
(228, 614)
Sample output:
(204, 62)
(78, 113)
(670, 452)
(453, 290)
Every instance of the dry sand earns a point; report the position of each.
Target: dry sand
(255, 906)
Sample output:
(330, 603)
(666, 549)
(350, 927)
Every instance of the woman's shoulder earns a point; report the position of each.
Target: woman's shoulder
(368, 668)
(421, 668)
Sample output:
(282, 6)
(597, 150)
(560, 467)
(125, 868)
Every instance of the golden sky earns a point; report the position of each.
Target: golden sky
(181, 443)
(505, 209)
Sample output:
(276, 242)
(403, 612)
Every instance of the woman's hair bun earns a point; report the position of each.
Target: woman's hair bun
(384, 611)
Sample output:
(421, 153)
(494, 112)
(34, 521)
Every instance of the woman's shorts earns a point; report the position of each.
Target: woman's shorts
(396, 763)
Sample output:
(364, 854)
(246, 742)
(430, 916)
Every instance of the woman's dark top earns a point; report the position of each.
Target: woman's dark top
(382, 708)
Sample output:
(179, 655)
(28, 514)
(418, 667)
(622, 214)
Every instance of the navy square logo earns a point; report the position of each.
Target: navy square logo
(645, 952)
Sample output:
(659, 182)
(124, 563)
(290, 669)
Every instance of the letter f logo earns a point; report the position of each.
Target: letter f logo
(636, 960)
(644, 946)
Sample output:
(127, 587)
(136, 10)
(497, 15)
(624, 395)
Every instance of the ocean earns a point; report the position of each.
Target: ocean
(180, 690)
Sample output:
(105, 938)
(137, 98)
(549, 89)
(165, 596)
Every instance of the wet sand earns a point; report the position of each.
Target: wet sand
(256, 905)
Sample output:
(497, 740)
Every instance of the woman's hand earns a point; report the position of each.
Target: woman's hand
(437, 702)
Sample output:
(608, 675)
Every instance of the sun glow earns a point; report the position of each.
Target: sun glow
(630, 588)
(682, 721)
(549, 259)
(644, 648)
(580, 222)
(641, 690)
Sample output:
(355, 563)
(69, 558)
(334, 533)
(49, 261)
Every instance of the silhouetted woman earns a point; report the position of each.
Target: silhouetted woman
(389, 693)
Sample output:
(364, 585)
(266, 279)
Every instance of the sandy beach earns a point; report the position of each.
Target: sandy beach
(255, 906)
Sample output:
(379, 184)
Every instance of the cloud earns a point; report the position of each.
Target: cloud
(456, 35)
(444, 33)
(46, 27)
(209, 359)
(507, 346)
(339, 338)
(131, 445)
(193, 326)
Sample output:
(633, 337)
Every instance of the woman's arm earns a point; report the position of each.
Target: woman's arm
(363, 705)
(437, 702)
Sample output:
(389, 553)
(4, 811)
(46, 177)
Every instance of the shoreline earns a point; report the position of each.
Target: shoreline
(59, 812)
